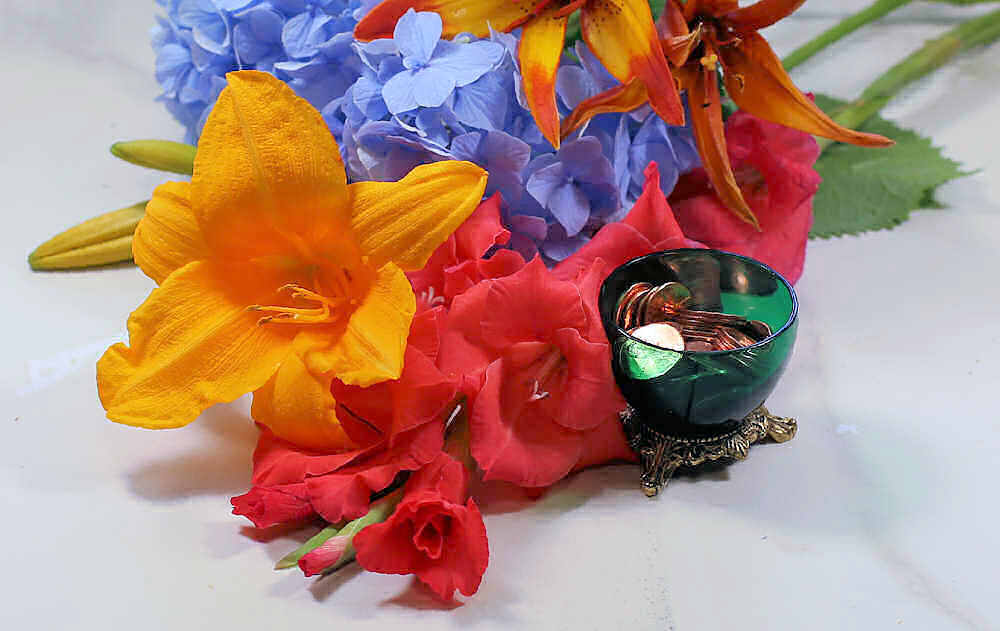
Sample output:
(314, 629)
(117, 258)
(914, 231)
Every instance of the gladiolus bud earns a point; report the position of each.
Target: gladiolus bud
(99, 241)
(164, 155)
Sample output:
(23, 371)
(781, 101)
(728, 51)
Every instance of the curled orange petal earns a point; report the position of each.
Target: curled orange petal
(539, 53)
(458, 16)
(622, 35)
(761, 14)
(758, 83)
(622, 98)
(706, 120)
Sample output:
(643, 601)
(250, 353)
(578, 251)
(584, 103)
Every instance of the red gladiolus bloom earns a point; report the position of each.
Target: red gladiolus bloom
(436, 533)
(458, 263)
(537, 372)
(398, 426)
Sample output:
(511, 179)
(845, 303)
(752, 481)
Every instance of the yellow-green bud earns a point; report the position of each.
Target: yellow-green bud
(164, 155)
(102, 240)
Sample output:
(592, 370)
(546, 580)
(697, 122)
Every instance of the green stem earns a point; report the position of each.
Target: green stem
(934, 54)
(378, 512)
(847, 26)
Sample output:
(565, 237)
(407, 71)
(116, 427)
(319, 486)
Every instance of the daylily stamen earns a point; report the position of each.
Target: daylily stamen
(709, 61)
(296, 315)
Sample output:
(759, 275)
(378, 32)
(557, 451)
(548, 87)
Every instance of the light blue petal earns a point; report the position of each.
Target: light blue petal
(367, 95)
(398, 92)
(543, 182)
(482, 104)
(570, 206)
(432, 86)
(467, 62)
(417, 35)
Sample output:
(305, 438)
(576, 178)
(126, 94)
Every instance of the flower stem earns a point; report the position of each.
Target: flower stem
(845, 27)
(934, 54)
(379, 511)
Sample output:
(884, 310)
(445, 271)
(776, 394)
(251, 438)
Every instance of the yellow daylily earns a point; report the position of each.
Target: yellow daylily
(274, 274)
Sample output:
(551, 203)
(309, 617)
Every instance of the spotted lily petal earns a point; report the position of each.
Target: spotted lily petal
(761, 14)
(623, 98)
(706, 119)
(622, 35)
(757, 83)
(539, 53)
(459, 16)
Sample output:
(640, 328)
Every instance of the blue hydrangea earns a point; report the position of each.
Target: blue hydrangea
(307, 43)
(417, 98)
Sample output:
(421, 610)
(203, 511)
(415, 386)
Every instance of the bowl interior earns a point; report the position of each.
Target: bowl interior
(690, 392)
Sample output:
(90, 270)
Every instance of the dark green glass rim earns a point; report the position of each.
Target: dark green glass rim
(767, 340)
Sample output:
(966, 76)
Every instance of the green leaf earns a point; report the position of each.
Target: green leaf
(873, 189)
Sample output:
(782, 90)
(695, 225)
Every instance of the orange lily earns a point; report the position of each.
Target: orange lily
(699, 35)
(621, 34)
(274, 274)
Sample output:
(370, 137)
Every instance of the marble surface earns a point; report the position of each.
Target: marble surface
(881, 513)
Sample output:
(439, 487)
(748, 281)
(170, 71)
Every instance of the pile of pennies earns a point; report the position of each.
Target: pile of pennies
(659, 315)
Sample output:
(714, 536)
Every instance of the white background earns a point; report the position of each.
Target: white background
(881, 514)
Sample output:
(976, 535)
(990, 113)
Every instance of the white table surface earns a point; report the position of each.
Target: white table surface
(881, 514)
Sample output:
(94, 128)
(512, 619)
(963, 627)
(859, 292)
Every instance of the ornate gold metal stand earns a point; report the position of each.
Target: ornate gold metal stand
(660, 455)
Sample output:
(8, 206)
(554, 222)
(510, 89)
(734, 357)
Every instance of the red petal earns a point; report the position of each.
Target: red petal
(270, 506)
(529, 305)
(525, 447)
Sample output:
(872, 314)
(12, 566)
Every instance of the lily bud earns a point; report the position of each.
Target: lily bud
(99, 241)
(164, 155)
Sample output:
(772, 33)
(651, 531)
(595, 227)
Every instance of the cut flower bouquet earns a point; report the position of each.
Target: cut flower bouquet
(398, 219)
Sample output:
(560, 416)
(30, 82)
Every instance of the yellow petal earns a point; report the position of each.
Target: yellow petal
(168, 237)
(267, 167)
(622, 35)
(539, 52)
(458, 16)
(405, 221)
(192, 344)
(299, 408)
(371, 348)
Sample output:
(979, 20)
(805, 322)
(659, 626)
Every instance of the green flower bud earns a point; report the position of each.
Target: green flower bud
(99, 241)
(163, 155)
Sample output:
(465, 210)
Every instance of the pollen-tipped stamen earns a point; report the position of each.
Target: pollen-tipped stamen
(300, 315)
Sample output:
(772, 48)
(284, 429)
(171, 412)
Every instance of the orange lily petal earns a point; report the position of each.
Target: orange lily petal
(371, 348)
(192, 344)
(758, 83)
(267, 167)
(622, 98)
(298, 407)
(168, 237)
(622, 35)
(761, 14)
(678, 49)
(458, 16)
(672, 22)
(712, 8)
(389, 228)
(539, 52)
(706, 120)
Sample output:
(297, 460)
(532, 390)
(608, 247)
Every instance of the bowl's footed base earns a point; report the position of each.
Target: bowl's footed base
(660, 455)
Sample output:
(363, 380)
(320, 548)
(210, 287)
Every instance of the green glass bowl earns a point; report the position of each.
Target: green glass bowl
(702, 394)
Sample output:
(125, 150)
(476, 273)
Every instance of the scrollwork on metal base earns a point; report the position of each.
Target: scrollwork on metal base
(660, 455)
